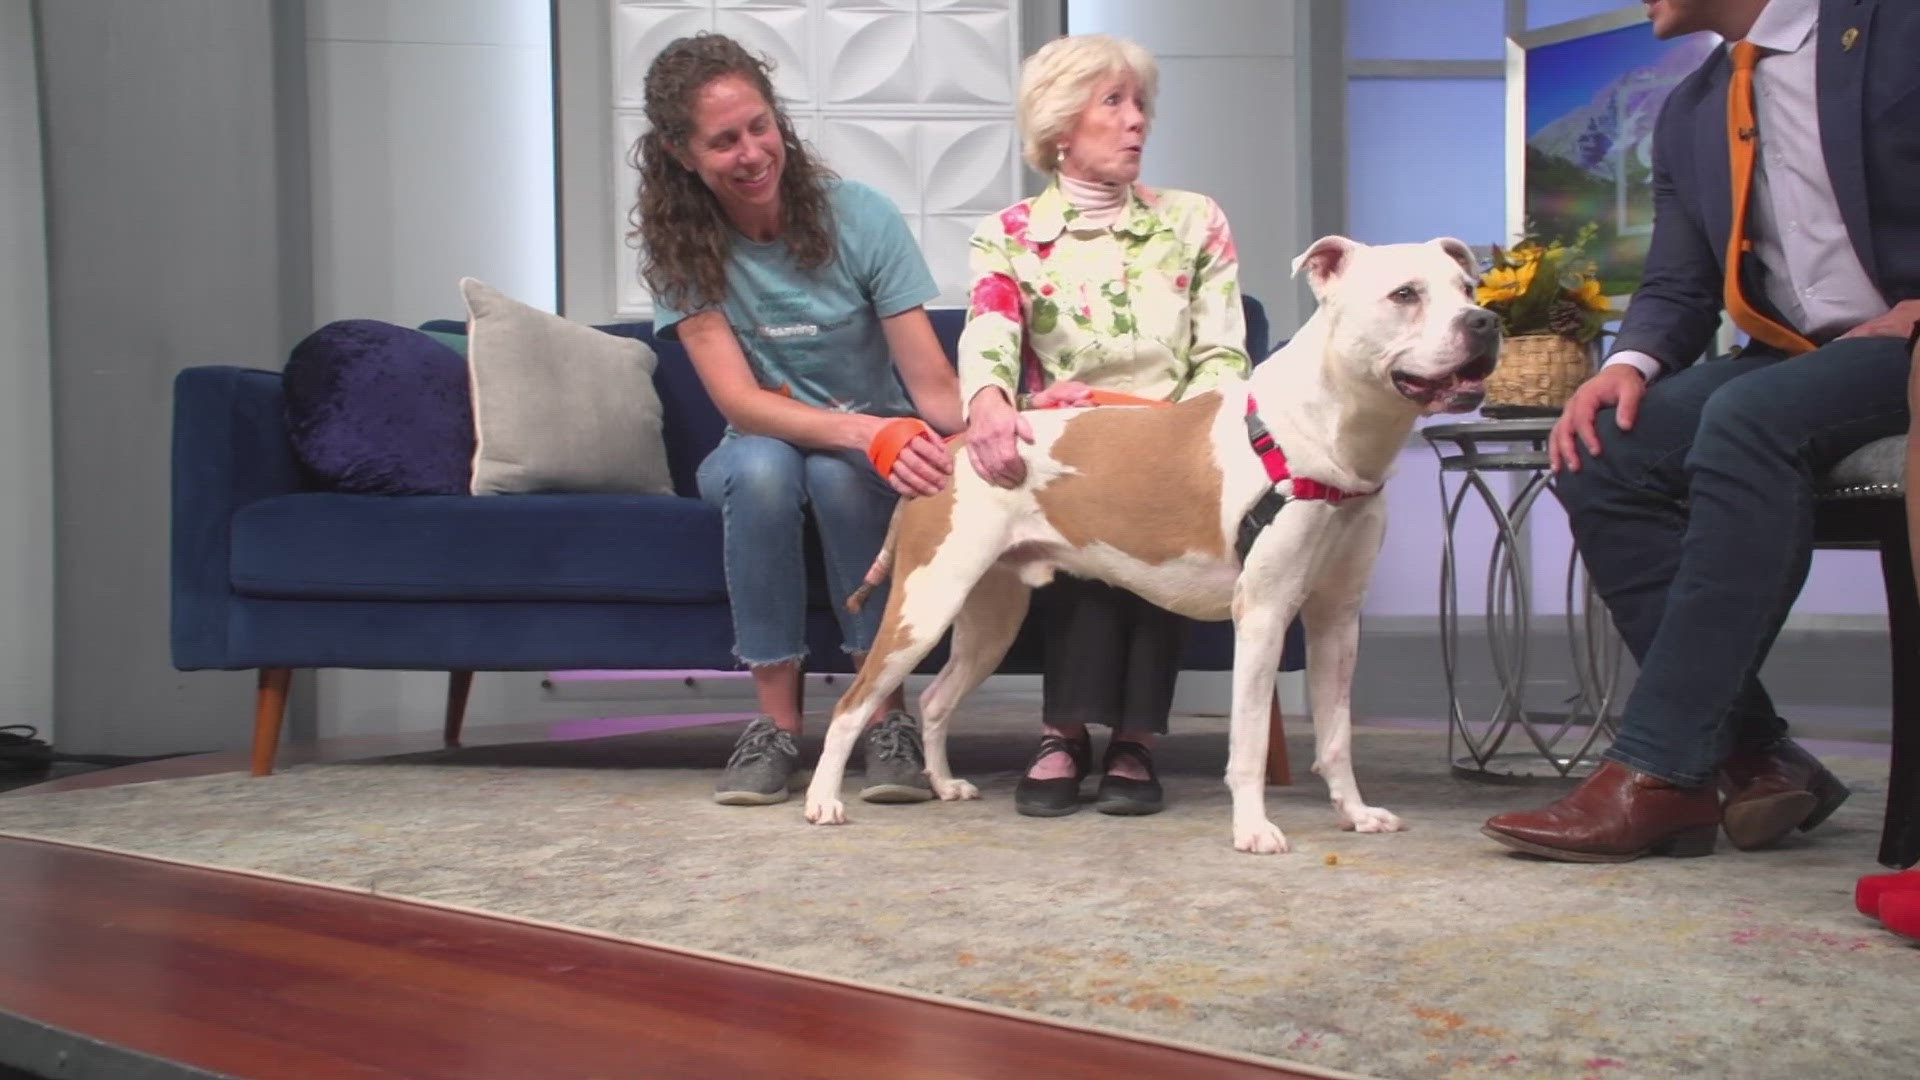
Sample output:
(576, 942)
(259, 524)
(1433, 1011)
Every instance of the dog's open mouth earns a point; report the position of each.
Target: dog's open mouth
(1460, 390)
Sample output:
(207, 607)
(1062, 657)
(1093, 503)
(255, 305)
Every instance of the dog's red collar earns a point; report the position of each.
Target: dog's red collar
(1268, 507)
(1275, 461)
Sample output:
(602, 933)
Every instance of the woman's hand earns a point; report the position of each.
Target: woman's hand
(994, 432)
(924, 467)
(1065, 394)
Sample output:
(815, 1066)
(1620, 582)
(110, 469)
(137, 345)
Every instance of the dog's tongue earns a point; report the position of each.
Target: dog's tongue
(1426, 391)
(1439, 395)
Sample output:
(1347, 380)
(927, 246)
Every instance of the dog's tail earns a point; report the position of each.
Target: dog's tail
(882, 563)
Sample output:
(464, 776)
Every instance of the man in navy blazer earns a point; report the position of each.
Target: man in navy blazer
(1689, 485)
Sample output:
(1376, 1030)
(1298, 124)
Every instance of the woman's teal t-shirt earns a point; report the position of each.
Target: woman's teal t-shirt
(815, 335)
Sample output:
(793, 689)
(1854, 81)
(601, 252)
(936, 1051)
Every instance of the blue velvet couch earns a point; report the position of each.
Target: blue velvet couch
(271, 574)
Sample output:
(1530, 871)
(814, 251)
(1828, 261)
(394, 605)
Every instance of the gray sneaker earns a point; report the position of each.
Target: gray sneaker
(896, 767)
(761, 768)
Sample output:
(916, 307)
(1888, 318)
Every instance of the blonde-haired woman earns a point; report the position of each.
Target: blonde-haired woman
(1098, 282)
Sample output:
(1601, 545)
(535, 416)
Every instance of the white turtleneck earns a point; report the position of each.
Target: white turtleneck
(1099, 204)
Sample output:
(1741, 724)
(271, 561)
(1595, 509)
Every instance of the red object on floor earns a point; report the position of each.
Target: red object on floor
(1900, 913)
(1872, 889)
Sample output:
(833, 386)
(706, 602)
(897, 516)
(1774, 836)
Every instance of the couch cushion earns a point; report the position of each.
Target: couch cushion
(559, 406)
(617, 548)
(380, 410)
(692, 425)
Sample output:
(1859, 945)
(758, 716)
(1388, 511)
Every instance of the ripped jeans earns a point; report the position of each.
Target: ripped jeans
(764, 488)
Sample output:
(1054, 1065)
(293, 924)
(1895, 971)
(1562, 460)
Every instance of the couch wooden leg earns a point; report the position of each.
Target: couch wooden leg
(269, 709)
(1279, 770)
(459, 684)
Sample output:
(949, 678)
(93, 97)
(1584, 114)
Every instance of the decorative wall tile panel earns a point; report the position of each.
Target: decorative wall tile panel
(881, 153)
(640, 31)
(968, 165)
(869, 58)
(954, 6)
(631, 295)
(943, 238)
(871, 6)
(963, 58)
(782, 35)
(914, 97)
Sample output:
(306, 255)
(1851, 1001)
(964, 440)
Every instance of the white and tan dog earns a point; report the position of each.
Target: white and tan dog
(1151, 499)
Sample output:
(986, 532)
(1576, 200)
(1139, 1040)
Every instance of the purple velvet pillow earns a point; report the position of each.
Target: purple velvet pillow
(380, 409)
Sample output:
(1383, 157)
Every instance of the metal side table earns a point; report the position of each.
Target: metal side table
(1548, 745)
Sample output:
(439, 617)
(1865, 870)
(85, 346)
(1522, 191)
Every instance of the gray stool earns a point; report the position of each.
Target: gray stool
(1861, 504)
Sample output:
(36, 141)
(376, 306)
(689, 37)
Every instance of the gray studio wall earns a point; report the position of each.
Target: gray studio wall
(177, 234)
(26, 441)
(432, 135)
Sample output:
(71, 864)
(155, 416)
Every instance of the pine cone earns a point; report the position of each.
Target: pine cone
(1566, 317)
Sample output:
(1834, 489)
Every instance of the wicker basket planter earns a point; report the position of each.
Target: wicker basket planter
(1536, 376)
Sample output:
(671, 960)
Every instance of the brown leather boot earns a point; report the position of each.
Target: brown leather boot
(1770, 789)
(1616, 815)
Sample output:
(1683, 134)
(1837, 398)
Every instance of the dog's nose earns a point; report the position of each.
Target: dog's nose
(1479, 321)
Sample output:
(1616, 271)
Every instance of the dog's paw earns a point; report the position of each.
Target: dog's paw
(954, 790)
(827, 812)
(1264, 839)
(1371, 819)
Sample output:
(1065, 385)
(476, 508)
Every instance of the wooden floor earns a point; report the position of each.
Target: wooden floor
(119, 966)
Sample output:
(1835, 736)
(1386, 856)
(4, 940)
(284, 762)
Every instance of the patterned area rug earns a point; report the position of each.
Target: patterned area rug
(1421, 954)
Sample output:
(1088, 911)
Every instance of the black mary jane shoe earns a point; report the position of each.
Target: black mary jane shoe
(1060, 795)
(1124, 795)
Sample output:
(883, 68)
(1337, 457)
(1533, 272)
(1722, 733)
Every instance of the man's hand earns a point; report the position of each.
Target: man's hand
(994, 431)
(1067, 394)
(1897, 322)
(923, 467)
(1619, 385)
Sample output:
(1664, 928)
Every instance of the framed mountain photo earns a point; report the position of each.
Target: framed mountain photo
(1582, 98)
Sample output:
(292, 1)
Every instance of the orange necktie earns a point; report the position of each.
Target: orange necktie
(1740, 147)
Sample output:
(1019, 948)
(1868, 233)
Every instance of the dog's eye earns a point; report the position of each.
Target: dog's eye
(1405, 294)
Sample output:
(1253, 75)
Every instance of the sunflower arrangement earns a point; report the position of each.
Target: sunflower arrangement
(1537, 287)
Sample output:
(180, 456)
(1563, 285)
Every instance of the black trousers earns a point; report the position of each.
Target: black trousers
(1109, 657)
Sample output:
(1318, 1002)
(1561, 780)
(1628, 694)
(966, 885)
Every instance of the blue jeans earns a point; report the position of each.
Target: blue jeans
(764, 488)
(1697, 529)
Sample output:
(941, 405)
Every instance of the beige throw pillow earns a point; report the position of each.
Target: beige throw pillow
(558, 406)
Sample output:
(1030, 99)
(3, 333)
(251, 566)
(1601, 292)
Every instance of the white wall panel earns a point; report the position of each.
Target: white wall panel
(1192, 27)
(432, 132)
(432, 128)
(438, 22)
(26, 423)
(1257, 179)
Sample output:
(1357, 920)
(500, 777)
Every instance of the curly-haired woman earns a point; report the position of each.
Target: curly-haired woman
(799, 297)
(1097, 283)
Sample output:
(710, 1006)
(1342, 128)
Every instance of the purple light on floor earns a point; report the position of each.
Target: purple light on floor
(659, 675)
(600, 727)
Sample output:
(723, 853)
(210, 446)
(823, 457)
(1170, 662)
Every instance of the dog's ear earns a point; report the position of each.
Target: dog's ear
(1325, 259)
(1461, 253)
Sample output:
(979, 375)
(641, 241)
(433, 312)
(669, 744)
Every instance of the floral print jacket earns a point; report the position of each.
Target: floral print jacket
(1149, 306)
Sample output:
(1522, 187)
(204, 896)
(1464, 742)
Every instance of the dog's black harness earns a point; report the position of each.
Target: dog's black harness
(1298, 487)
